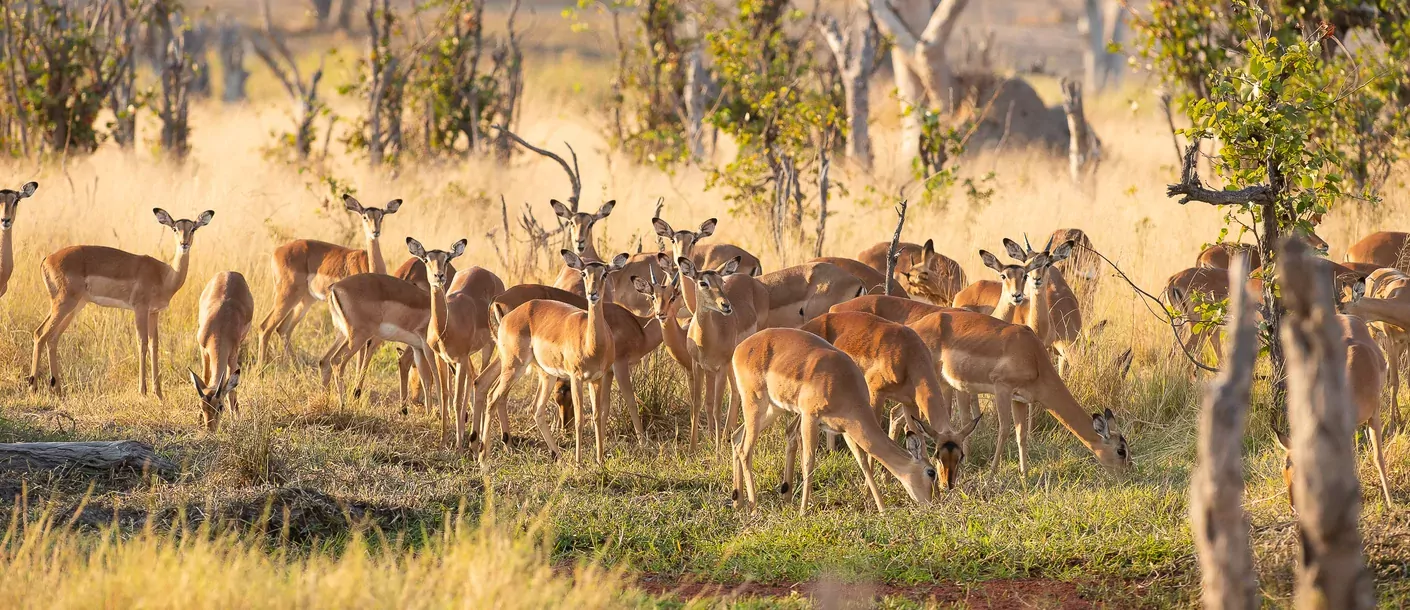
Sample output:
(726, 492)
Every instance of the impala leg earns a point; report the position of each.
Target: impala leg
(497, 394)
(143, 320)
(286, 329)
(1396, 351)
(1376, 442)
(155, 344)
(232, 365)
(1022, 427)
(757, 417)
(542, 417)
(712, 404)
(286, 299)
(697, 375)
(864, 462)
(1003, 399)
(732, 415)
(464, 372)
(325, 364)
(622, 371)
(364, 361)
(601, 394)
(58, 329)
(576, 386)
(808, 432)
(790, 460)
(410, 386)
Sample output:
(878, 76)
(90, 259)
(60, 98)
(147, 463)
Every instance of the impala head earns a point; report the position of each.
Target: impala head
(683, 241)
(1038, 263)
(921, 476)
(927, 273)
(11, 201)
(710, 285)
(1112, 450)
(662, 290)
(371, 217)
(1350, 295)
(594, 272)
(437, 262)
(185, 230)
(1313, 240)
(213, 398)
(1013, 278)
(949, 452)
(580, 223)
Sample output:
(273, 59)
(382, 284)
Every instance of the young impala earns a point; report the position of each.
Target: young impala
(11, 202)
(226, 312)
(559, 340)
(305, 269)
(784, 370)
(108, 277)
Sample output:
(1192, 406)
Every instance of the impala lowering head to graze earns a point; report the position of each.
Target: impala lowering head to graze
(226, 312)
(108, 277)
(10, 199)
(559, 341)
(305, 269)
(784, 370)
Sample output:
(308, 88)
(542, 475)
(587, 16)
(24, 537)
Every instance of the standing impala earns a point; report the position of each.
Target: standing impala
(1043, 301)
(226, 312)
(559, 340)
(580, 226)
(725, 313)
(705, 256)
(11, 202)
(305, 269)
(108, 277)
(784, 370)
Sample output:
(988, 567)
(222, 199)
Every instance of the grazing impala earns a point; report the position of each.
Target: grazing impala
(369, 307)
(305, 269)
(108, 277)
(897, 366)
(226, 312)
(923, 272)
(1386, 307)
(1365, 375)
(783, 370)
(11, 202)
(705, 256)
(558, 340)
(1382, 248)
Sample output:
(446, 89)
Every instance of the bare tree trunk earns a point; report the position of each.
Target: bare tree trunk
(322, 10)
(1228, 578)
(1115, 63)
(855, 53)
(893, 250)
(176, 89)
(824, 167)
(697, 90)
(1094, 56)
(88, 457)
(1332, 573)
(920, 31)
(230, 49)
(195, 41)
(345, 13)
(1084, 148)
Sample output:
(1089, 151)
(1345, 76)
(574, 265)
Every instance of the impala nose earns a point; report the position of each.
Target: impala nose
(594, 297)
(726, 309)
(7, 222)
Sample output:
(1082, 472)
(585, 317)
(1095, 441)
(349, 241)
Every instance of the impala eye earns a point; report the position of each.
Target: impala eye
(704, 284)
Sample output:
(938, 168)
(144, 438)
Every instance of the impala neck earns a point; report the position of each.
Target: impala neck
(180, 264)
(932, 402)
(873, 440)
(374, 255)
(7, 254)
(1049, 390)
(597, 334)
(1005, 309)
(674, 337)
(440, 314)
(1037, 317)
(1381, 310)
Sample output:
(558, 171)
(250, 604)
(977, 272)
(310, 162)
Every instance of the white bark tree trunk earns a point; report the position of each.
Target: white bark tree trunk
(924, 80)
(855, 52)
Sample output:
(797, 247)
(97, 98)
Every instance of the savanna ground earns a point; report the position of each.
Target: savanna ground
(327, 504)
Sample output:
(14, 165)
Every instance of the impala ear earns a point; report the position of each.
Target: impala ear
(571, 259)
(392, 206)
(619, 261)
(352, 203)
(28, 189)
(605, 210)
(641, 285)
(560, 209)
(416, 248)
(196, 381)
(163, 217)
(1281, 438)
(662, 227)
(663, 261)
(730, 267)
(1102, 425)
(458, 248)
(1063, 251)
(929, 246)
(231, 383)
(205, 218)
(1015, 251)
(687, 268)
(991, 261)
(915, 445)
(707, 228)
(969, 428)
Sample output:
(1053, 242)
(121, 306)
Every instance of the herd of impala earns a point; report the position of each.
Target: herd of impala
(819, 340)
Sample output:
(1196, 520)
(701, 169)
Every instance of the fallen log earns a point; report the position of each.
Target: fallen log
(90, 457)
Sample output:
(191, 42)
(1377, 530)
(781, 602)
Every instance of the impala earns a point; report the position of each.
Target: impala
(1220, 255)
(305, 269)
(1365, 376)
(108, 277)
(226, 312)
(580, 227)
(725, 313)
(782, 370)
(11, 202)
(873, 281)
(1043, 301)
(925, 273)
(1382, 248)
(371, 307)
(1184, 292)
(705, 256)
(897, 366)
(1386, 307)
(803, 292)
(559, 340)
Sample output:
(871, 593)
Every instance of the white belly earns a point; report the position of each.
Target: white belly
(392, 332)
(109, 302)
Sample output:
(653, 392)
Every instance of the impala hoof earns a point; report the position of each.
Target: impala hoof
(30, 380)
(54, 382)
(357, 394)
(475, 437)
(784, 488)
(504, 438)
